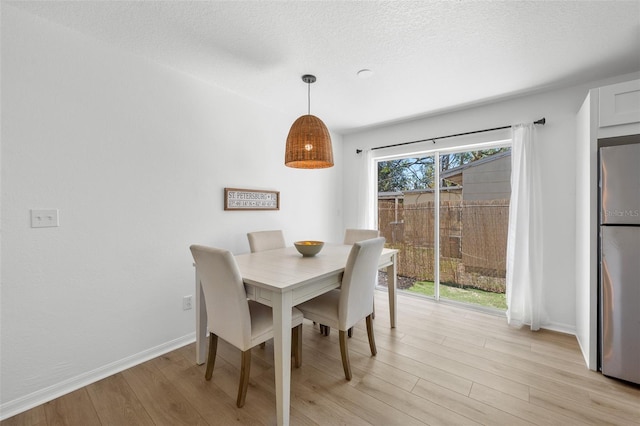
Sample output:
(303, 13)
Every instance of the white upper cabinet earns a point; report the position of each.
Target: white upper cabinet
(620, 104)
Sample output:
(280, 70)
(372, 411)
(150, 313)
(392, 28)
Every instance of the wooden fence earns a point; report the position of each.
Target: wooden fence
(473, 240)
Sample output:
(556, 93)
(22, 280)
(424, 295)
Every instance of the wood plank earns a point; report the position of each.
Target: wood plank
(519, 408)
(412, 404)
(579, 412)
(72, 409)
(465, 406)
(116, 403)
(34, 417)
(357, 402)
(211, 402)
(549, 374)
(307, 400)
(360, 358)
(164, 403)
(466, 367)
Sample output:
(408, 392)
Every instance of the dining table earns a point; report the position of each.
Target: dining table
(283, 278)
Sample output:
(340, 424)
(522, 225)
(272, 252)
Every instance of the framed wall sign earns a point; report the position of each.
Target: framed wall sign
(251, 199)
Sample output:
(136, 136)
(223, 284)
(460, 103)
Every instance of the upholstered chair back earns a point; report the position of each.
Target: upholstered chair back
(356, 293)
(224, 295)
(354, 235)
(265, 240)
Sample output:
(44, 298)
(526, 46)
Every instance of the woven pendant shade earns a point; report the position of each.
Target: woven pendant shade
(308, 144)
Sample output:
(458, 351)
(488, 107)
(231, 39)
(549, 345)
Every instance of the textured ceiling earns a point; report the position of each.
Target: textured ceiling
(426, 56)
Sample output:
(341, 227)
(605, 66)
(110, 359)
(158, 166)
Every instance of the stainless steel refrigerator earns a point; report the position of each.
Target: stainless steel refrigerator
(620, 261)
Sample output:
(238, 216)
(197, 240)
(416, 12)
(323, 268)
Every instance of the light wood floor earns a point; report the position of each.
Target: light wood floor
(441, 365)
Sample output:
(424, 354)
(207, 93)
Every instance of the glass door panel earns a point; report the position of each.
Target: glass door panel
(406, 219)
(474, 192)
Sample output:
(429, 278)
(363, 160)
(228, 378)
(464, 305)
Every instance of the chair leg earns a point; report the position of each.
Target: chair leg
(350, 332)
(344, 352)
(211, 357)
(372, 341)
(325, 330)
(296, 345)
(245, 368)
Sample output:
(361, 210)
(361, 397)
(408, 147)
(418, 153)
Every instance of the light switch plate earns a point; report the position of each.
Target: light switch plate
(44, 218)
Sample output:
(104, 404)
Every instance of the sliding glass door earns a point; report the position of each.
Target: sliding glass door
(462, 198)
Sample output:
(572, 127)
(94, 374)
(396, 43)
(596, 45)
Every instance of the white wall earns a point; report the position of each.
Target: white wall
(135, 156)
(557, 140)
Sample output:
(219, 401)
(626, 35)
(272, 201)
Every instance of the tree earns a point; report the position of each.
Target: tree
(406, 174)
(450, 161)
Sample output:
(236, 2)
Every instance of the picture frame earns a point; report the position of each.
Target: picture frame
(251, 199)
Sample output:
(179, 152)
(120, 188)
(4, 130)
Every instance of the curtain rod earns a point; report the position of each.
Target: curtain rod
(542, 121)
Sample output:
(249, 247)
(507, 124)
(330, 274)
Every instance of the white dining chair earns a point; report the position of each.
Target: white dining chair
(230, 316)
(352, 235)
(343, 308)
(265, 240)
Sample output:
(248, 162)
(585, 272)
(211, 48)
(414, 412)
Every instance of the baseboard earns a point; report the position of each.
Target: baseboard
(585, 354)
(17, 406)
(560, 328)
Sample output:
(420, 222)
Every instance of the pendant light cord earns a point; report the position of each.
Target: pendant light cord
(309, 98)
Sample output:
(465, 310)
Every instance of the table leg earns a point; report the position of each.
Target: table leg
(392, 283)
(201, 323)
(282, 304)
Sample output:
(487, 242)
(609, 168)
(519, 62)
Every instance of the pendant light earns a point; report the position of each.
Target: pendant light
(309, 142)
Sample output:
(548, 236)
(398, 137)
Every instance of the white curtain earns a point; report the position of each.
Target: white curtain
(366, 199)
(524, 290)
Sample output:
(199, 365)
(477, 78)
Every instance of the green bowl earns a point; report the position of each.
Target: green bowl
(308, 248)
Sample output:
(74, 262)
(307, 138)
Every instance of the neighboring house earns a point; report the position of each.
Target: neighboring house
(486, 179)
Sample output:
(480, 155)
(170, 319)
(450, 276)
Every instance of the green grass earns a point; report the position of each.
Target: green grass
(465, 295)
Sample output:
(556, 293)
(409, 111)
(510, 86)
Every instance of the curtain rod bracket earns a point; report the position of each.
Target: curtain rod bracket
(358, 151)
(542, 121)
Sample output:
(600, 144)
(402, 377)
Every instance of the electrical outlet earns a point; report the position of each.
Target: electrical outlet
(187, 303)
